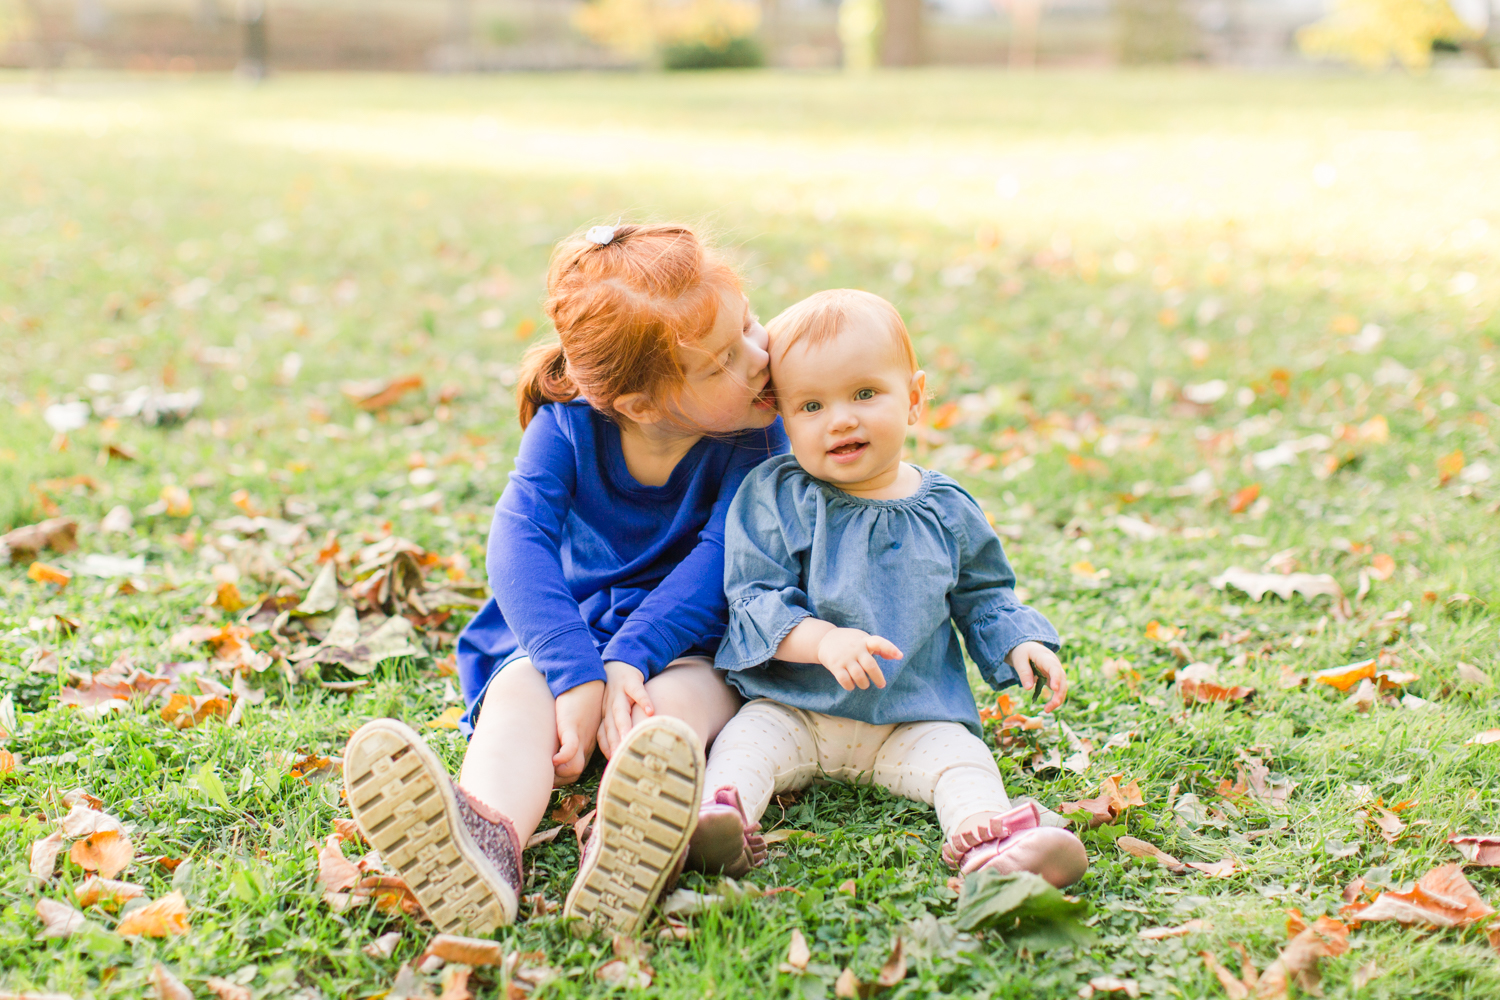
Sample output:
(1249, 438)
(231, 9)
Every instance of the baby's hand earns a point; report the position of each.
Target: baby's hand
(849, 654)
(1036, 664)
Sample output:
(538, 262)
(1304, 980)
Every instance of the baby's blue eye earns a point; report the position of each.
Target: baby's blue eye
(812, 407)
(865, 394)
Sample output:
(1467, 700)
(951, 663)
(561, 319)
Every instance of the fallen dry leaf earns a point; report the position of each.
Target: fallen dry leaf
(893, 970)
(58, 534)
(569, 809)
(390, 894)
(847, 986)
(1441, 898)
(1470, 674)
(449, 718)
(1114, 984)
(44, 854)
(168, 986)
(1141, 849)
(106, 891)
(1284, 585)
(1450, 465)
(1483, 850)
(84, 821)
(108, 852)
(383, 946)
(167, 917)
(1217, 869)
(1298, 961)
(626, 974)
(1109, 804)
(544, 836)
(225, 990)
(1182, 930)
(185, 711)
(335, 872)
(377, 394)
(1363, 698)
(1242, 499)
(1365, 973)
(46, 573)
(456, 983)
(798, 954)
(1346, 676)
(348, 830)
(1488, 736)
(59, 920)
(466, 950)
(80, 796)
(1233, 985)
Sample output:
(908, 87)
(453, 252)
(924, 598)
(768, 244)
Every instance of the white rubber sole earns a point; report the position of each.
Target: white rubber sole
(647, 809)
(404, 802)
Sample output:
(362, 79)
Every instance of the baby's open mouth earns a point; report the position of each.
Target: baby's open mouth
(851, 448)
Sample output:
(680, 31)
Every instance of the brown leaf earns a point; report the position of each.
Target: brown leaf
(108, 852)
(1234, 987)
(390, 894)
(82, 821)
(373, 395)
(567, 811)
(1242, 499)
(1470, 674)
(1141, 849)
(1483, 850)
(848, 986)
(1298, 961)
(44, 854)
(1217, 869)
(894, 969)
(58, 534)
(383, 946)
(348, 830)
(465, 950)
(185, 711)
(59, 920)
(798, 954)
(106, 891)
(45, 573)
(80, 796)
(167, 917)
(168, 986)
(1114, 984)
(1365, 973)
(225, 990)
(1488, 736)
(1111, 802)
(1441, 898)
(626, 974)
(1284, 585)
(1353, 890)
(544, 836)
(456, 983)
(1183, 930)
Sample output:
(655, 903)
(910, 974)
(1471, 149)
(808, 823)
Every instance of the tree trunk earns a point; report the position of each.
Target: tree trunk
(255, 54)
(903, 33)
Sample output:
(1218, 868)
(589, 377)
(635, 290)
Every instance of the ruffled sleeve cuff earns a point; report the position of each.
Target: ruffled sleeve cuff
(756, 627)
(994, 632)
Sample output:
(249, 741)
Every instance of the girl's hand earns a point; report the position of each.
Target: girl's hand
(624, 693)
(1036, 664)
(849, 654)
(578, 713)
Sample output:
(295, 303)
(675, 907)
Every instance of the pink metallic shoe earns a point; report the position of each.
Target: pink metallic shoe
(725, 841)
(1016, 841)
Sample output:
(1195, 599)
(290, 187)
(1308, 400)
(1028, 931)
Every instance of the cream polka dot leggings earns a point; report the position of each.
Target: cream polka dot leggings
(768, 748)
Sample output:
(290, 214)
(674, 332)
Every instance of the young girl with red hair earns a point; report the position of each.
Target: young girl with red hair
(606, 563)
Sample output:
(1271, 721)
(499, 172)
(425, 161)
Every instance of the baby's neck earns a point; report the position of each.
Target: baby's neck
(896, 483)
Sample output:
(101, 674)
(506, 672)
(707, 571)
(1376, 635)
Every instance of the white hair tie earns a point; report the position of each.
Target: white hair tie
(602, 235)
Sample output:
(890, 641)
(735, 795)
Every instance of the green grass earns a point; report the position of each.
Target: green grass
(1070, 250)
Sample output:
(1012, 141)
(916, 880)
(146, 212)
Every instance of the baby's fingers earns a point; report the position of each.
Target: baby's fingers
(883, 647)
(871, 670)
(569, 748)
(842, 676)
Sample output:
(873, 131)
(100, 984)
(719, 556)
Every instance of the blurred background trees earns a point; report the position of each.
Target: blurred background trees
(481, 35)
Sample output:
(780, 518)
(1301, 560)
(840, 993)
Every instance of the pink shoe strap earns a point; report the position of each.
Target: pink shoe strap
(994, 830)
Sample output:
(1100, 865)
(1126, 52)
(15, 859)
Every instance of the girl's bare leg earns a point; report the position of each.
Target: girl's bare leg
(508, 765)
(697, 694)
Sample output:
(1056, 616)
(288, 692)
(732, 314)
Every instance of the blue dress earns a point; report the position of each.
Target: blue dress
(908, 569)
(586, 564)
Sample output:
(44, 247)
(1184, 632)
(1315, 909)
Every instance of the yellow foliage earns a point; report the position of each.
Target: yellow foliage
(1369, 33)
(640, 28)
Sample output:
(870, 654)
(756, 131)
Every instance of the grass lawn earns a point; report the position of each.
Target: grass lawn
(1174, 324)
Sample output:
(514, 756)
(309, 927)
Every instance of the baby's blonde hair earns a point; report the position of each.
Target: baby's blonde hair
(824, 315)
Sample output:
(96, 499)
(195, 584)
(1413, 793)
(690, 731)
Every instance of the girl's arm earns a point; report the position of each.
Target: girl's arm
(994, 623)
(524, 559)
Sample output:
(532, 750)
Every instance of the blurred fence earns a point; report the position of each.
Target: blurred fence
(466, 35)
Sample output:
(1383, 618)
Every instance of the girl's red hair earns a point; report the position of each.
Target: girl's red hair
(622, 311)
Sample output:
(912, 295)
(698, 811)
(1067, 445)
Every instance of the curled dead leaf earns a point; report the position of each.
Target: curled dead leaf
(225, 990)
(106, 891)
(1284, 585)
(893, 970)
(465, 950)
(798, 954)
(569, 809)
(59, 920)
(1182, 930)
(383, 946)
(1441, 898)
(167, 917)
(1114, 984)
(47, 574)
(83, 821)
(108, 852)
(185, 711)
(58, 534)
(1480, 739)
(1141, 849)
(626, 974)
(1481, 850)
(168, 986)
(1234, 987)
(1346, 676)
(1217, 869)
(44, 854)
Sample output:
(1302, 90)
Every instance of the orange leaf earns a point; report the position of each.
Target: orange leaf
(225, 990)
(227, 596)
(168, 986)
(167, 917)
(1141, 849)
(348, 830)
(186, 711)
(1382, 566)
(108, 852)
(1347, 676)
(106, 891)
(1482, 850)
(378, 396)
(1162, 633)
(569, 809)
(179, 503)
(1205, 692)
(1217, 869)
(1450, 465)
(1234, 987)
(335, 872)
(1242, 499)
(466, 950)
(1441, 898)
(44, 573)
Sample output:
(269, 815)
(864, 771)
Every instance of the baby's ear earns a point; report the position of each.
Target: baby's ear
(918, 396)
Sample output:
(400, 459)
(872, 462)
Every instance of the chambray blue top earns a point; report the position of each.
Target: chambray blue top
(587, 565)
(907, 569)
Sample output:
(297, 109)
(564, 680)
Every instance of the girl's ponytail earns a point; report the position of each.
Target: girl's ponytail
(543, 378)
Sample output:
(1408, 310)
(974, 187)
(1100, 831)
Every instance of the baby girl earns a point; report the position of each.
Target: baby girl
(846, 570)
